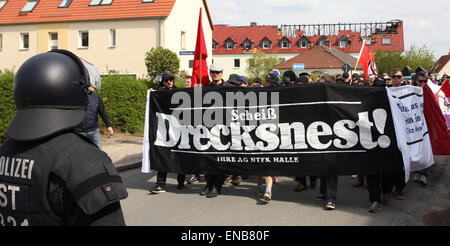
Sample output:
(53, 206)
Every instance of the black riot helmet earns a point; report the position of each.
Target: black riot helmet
(50, 92)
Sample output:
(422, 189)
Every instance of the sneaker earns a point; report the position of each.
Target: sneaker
(321, 197)
(386, 198)
(205, 191)
(260, 190)
(180, 186)
(237, 180)
(399, 195)
(417, 178)
(158, 189)
(227, 180)
(375, 207)
(423, 181)
(300, 187)
(192, 180)
(213, 193)
(267, 196)
(330, 206)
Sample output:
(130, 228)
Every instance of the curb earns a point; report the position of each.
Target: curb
(128, 166)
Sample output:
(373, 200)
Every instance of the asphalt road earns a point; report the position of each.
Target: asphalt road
(239, 205)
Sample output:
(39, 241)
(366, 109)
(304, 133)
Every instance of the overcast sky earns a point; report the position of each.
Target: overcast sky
(426, 22)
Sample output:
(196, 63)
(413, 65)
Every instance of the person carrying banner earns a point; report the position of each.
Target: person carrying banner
(422, 175)
(272, 80)
(214, 182)
(167, 83)
(399, 178)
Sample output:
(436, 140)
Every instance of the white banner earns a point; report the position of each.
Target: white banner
(411, 128)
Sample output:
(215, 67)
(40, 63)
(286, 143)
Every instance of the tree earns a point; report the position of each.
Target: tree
(161, 60)
(260, 65)
(413, 57)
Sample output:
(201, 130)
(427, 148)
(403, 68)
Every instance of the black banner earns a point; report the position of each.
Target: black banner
(316, 129)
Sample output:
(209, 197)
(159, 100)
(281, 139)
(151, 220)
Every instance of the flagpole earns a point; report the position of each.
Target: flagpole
(200, 79)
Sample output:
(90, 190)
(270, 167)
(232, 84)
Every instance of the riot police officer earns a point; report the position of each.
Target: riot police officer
(49, 175)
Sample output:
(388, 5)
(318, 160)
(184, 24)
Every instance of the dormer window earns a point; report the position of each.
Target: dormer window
(285, 43)
(343, 42)
(304, 43)
(322, 41)
(266, 44)
(229, 44)
(214, 45)
(247, 44)
(29, 6)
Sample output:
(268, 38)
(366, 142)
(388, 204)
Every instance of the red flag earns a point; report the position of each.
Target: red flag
(446, 88)
(437, 128)
(364, 59)
(200, 68)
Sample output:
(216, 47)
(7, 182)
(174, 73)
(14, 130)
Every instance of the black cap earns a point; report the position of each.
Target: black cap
(406, 71)
(420, 69)
(257, 80)
(346, 75)
(235, 79)
(378, 82)
(302, 79)
(167, 75)
(303, 74)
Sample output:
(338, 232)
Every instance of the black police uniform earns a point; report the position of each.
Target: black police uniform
(49, 175)
(61, 180)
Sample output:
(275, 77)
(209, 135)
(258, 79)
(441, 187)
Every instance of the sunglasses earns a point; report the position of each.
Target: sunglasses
(423, 81)
(167, 80)
(396, 76)
(215, 72)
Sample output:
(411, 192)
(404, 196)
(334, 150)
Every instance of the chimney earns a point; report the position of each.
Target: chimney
(253, 24)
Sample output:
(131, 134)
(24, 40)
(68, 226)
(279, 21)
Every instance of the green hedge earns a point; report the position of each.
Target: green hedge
(125, 99)
(7, 106)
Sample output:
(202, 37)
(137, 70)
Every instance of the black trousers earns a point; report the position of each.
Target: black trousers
(162, 177)
(215, 180)
(378, 183)
(328, 187)
(302, 180)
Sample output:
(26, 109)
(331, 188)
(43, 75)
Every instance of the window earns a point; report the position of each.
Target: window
(29, 6)
(84, 39)
(191, 63)
(147, 1)
(2, 3)
(237, 63)
(247, 45)
(368, 41)
(24, 41)
(53, 40)
(303, 43)
(321, 42)
(386, 41)
(183, 40)
(266, 44)
(214, 45)
(285, 44)
(112, 38)
(281, 60)
(1, 42)
(100, 2)
(229, 44)
(65, 3)
(343, 44)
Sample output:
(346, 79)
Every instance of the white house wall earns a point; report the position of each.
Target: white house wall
(11, 56)
(133, 39)
(184, 18)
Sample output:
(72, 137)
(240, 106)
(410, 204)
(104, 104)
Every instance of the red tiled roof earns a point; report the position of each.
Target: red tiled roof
(440, 64)
(320, 57)
(47, 11)
(257, 33)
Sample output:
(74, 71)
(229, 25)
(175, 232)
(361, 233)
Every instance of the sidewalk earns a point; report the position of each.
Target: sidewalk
(125, 150)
